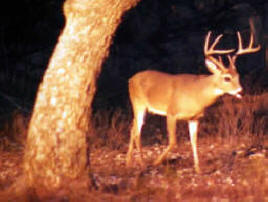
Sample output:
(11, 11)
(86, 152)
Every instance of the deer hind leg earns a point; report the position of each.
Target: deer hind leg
(171, 127)
(193, 127)
(135, 135)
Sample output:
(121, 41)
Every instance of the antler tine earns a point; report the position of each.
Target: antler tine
(218, 62)
(232, 62)
(216, 41)
(220, 59)
(210, 51)
(249, 49)
(207, 42)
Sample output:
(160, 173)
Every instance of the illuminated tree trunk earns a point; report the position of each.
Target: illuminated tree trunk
(56, 152)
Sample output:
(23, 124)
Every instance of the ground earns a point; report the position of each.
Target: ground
(230, 172)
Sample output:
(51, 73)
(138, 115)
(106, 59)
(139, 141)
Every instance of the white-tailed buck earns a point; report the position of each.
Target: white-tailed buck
(183, 96)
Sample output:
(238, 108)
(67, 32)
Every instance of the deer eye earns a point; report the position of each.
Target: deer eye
(227, 79)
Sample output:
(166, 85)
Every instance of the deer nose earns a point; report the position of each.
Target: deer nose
(239, 93)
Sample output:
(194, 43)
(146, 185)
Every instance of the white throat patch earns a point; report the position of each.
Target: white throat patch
(218, 91)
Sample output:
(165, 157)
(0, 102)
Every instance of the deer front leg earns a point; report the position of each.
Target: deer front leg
(193, 127)
(171, 127)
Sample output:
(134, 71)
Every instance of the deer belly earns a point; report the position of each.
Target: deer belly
(189, 112)
(158, 111)
(189, 115)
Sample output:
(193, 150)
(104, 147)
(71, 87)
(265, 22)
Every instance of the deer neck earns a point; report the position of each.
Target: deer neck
(210, 90)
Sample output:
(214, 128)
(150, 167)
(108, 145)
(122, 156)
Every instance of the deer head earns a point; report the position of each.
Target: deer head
(227, 77)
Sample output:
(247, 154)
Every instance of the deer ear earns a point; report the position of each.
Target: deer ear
(212, 67)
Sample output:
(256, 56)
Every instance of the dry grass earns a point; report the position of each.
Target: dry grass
(13, 131)
(232, 145)
(110, 129)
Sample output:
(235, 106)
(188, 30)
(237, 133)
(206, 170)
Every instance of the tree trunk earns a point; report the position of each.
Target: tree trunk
(56, 151)
(265, 33)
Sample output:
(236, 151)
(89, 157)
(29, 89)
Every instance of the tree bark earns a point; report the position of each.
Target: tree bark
(56, 147)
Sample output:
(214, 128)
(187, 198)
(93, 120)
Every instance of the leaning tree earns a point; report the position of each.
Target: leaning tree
(56, 148)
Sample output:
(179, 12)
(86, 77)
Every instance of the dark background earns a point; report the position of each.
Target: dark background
(163, 35)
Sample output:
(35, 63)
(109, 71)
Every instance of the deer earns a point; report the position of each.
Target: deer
(184, 96)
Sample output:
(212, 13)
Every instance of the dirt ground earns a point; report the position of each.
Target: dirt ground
(231, 171)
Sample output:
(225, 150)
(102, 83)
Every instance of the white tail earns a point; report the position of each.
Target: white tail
(183, 96)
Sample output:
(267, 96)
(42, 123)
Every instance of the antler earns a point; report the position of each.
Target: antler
(210, 51)
(249, 49)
